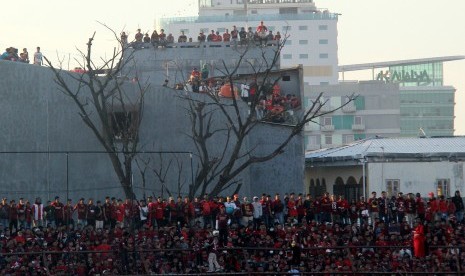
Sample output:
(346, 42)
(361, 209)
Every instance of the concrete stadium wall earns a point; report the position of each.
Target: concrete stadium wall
(38, 118)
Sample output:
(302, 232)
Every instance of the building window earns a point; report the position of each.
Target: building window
(303, 56)
(286, 28)
(312, 140)
(303, 28)
(253, 11)
(124, 124)
(303, 42)
(324, 82)
(358, 120)
(327, 121)
(324, 55)
(328, 139)
(323, 41)
(392, 187)
(323, 27)
(287, 56)
(443, 187)
(288, 42)
(347, 138)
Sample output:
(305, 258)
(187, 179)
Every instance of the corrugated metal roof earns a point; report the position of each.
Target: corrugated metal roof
(444, 146)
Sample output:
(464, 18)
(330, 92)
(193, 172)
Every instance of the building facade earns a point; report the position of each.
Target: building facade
(426, 103)
(407, 165)
(311, 34)
(374, 112)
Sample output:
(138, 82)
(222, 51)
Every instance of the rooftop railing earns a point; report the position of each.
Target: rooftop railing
(208, 4)
(164, 22)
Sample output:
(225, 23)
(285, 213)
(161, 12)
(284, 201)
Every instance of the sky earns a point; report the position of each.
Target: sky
(368, 30)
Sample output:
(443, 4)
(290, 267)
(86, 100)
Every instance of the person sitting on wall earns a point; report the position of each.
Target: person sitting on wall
(146, 38)
(154, 39)
(205, 72)
(201, 37)
(218, 37)
(170, 38)
(124, 39)
(195, 75)
(270, 36)
(234, 34)
(250, 36)
(211, 37)
(162, 37)
(262, 33)
(243, 36)
(182, 38)
(226, 36)
(138, 36)
(277, 37)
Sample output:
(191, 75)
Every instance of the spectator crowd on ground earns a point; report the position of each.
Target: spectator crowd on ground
(280, 234)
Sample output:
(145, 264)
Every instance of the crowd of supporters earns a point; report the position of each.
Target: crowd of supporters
(291, 233)
(12, 54)
(258, 36)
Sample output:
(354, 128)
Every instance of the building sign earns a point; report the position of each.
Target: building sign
(404, 76)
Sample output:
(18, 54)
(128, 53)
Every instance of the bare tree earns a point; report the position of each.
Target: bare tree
(101, 93)
(233, 120)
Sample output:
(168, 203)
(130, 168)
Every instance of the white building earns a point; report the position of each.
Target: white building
(312, 33)
(407, 165)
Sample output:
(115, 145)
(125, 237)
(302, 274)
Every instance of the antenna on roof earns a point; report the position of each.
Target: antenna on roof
(421, 133)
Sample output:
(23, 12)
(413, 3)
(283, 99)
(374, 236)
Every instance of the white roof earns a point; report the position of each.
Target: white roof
(366, 66)
(393, 147)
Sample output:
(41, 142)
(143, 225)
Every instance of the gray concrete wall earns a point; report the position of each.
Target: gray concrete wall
(175, 64)
(38, 118)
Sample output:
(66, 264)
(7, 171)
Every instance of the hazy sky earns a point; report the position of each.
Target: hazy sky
(368, 30)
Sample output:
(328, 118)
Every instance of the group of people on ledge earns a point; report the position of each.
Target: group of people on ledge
(260, 36)
(12, 54)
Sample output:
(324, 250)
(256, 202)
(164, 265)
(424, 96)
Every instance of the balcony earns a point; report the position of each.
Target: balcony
(358, 127)
(327, 128)
(350, 108)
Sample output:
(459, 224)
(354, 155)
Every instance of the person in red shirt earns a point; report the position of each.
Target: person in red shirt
(206, 211)
(325, 208)
(442, 208)
(81, 209)
(291, 207)
(211, 37)
(29, 215)
(343, 209)
(119, 212)
(262, 31)
(21, 213)
(433, 202)
(151, 205)
(421, 207)
(226, 36)
(419, 240)
(159, 212)
(401, 207)
(299, 204)
(59, 211)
